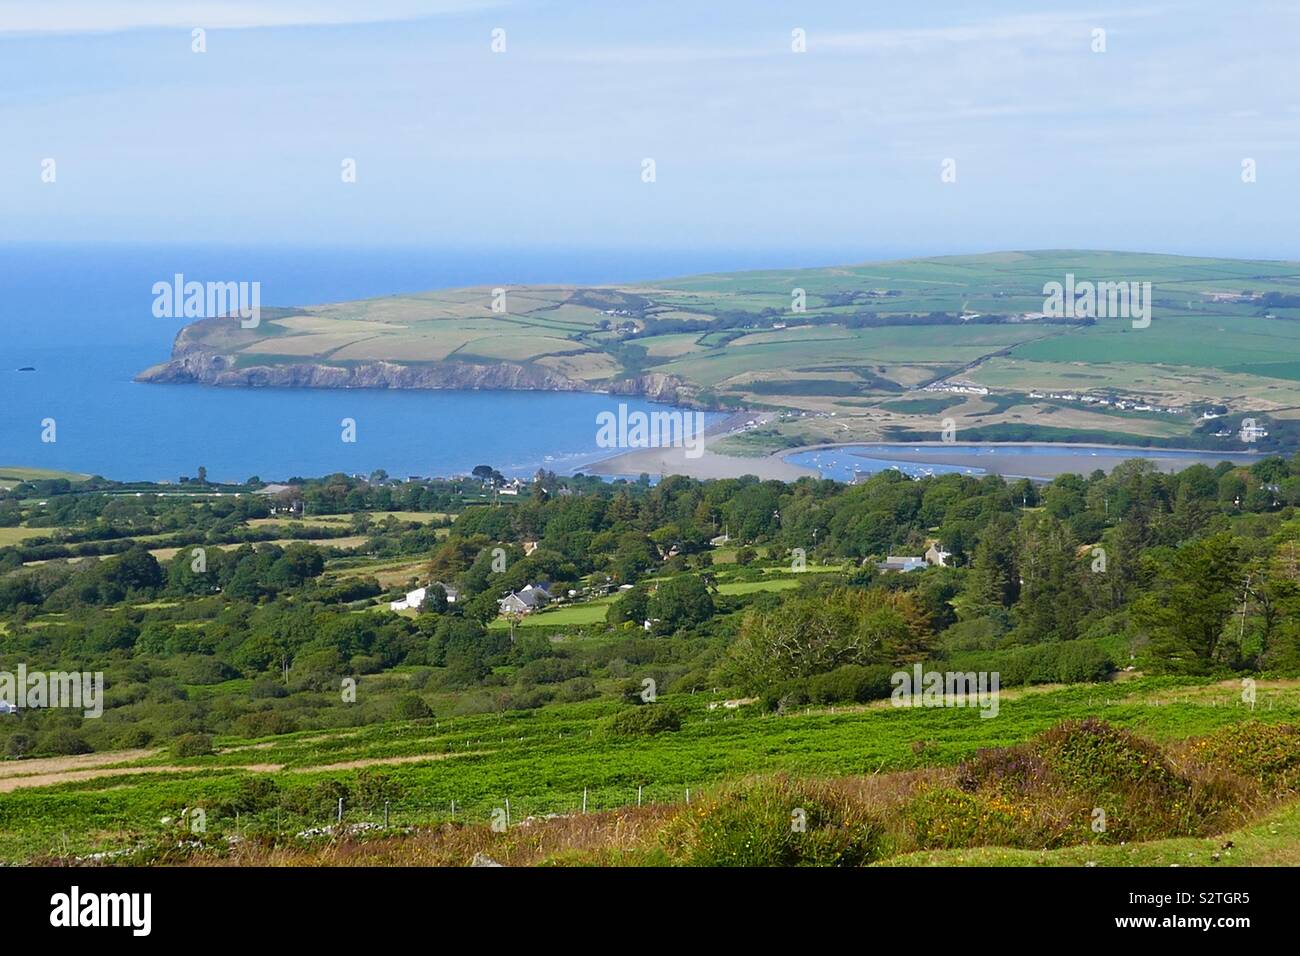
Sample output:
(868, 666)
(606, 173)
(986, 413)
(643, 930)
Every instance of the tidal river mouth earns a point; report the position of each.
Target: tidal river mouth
(1040, 461)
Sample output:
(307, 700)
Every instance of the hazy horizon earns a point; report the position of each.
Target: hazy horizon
(837, 151)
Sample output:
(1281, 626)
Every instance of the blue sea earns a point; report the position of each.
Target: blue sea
(81, 316)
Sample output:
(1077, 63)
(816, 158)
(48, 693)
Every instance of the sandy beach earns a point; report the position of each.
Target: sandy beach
(709, 464)
(1078, 460)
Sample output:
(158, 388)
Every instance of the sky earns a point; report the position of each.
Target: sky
(841, 147)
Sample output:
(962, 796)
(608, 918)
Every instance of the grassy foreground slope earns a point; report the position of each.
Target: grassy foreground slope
(844, 351)
(1274, 840)
(543, 762)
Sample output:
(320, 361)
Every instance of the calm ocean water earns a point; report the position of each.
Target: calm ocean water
(81, 316)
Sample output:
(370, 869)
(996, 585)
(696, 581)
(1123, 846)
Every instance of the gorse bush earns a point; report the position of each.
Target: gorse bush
(946, 819)
(775, 822)
(1088, 781)
(1268, 754)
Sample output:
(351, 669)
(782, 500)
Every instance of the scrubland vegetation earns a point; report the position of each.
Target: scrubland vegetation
(731, 639)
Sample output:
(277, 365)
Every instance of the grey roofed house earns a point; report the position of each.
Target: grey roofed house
(452, 593)
(901, 563)
(524, 601)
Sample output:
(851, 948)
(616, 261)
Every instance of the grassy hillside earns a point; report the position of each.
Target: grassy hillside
(543, 761)
(11, 475)
(848, 365)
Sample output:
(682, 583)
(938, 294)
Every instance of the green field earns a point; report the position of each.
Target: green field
(11, 475)
(868, 339)
(542, 761)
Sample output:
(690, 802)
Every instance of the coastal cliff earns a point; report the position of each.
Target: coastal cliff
(194, 360)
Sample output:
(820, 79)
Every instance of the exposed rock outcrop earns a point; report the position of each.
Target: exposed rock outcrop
(196, 365)
(209, 368)
(208, 352)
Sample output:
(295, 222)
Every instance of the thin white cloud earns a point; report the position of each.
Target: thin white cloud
(114, 16)
(1035, 26)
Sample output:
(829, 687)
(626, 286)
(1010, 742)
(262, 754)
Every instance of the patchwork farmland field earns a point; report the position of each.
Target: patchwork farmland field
(845, 353)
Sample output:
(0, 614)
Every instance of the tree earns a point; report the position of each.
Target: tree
(994, 579)
(1191, 601)
(134, 570)
(628, 607)
(679, 602)
(816, 633)
(1051, 602)
(435, 600)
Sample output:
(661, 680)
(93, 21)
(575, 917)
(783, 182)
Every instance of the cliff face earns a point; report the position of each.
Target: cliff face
(196, 365)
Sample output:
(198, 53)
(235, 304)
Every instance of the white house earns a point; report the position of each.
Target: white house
(415, 598)
(937, 556)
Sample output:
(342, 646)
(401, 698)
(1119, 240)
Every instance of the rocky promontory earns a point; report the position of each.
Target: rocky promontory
(195, 361)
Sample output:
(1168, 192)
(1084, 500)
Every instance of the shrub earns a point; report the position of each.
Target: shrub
(267, 687)
(549, 670)
(1005, 770)
(265, 723)
(367, 663)
(18, 745)
(580, 688)
(851, 683)
(372, 788)
(411, 707)
(943, 818)
(192, 745)
(529, 698)
(776, 823)
(1063, 662)
(1269, 754)
(1065, 775)
(199, 669)
(133, 737)
(64, 742)
(652, 719)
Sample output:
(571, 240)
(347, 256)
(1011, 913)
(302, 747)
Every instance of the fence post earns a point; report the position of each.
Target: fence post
(385, 814)
(584, 799)
(638, 796)
(340, 810)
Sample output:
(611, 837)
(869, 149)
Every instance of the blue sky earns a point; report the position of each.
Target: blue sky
(756, 147)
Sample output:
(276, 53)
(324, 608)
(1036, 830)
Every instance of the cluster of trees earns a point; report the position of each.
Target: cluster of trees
(1195, 572)
(243, 574)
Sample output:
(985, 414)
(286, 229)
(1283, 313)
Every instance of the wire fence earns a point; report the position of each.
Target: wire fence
(502, 812)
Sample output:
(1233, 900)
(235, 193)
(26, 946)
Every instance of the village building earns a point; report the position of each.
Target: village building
(901, 564)
(414, 599)
(936, 556)
(524, 601)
